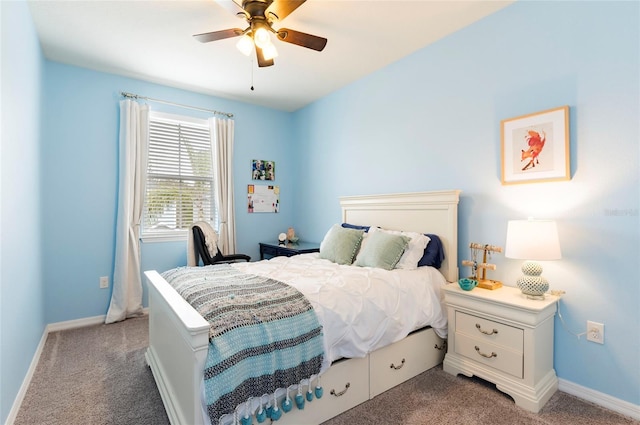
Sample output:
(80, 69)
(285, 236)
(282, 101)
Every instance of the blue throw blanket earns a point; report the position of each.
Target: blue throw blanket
(264, 334)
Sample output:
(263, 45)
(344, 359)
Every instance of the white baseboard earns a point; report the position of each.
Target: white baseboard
(51, 327)
(73, 324)
(79, 323)
(601, 399)
(26, 381)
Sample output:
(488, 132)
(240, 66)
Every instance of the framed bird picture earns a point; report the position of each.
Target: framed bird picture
(535, 147)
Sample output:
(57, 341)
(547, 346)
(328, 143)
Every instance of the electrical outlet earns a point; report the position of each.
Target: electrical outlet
(104, 282)
(595, 332)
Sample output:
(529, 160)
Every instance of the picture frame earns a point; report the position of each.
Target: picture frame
(262, 169)
(535, 147)
(263, 198)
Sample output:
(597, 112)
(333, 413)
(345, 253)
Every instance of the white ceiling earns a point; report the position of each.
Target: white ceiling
(152, 41)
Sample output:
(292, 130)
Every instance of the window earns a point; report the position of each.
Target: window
(180, 184)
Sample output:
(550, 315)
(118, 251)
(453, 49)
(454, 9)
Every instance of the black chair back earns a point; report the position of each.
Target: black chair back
(202, 252)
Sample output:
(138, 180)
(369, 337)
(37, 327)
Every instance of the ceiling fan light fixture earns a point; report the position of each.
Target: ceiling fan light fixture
(261, 37)
(245, 45)
(261, 15)
(269, 51)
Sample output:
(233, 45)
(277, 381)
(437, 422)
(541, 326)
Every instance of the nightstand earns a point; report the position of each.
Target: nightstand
(275, 249)
(503, 337)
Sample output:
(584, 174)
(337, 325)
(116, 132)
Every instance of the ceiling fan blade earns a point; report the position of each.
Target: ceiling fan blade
(234, 7)
(302, 39)
(283, 8)
(262, 62)
(218, 35)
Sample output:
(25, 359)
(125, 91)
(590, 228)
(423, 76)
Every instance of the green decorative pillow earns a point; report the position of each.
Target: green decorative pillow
(382, 250)
(340, 245)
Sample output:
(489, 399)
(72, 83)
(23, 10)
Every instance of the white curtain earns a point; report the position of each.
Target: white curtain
(222, 139)
(126, 298)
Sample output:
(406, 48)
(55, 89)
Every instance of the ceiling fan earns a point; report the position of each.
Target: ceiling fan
(261, 15)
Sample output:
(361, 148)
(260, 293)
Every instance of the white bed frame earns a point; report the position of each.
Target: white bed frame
(178, 335)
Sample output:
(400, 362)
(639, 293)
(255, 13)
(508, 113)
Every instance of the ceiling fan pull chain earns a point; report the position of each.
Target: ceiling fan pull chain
(252, 73)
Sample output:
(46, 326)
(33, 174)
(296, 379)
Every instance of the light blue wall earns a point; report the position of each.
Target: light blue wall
(427, 122)
(80, 147)
(21, 285)
(432, 121)
(59, 180)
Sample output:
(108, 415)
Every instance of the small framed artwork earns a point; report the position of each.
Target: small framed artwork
(263, 170)
(261, 198)
(535, 147)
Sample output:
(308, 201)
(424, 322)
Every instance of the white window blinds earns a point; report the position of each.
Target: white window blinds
(180, 186)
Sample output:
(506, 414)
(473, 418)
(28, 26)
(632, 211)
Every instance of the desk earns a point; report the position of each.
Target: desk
(275, 249)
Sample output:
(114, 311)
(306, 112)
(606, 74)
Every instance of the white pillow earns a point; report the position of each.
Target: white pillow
(414, 251)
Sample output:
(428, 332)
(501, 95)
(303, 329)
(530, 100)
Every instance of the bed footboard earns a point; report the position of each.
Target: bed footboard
(178, 344)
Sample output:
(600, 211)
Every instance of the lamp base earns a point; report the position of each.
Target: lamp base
(532, 284)
(533, 287)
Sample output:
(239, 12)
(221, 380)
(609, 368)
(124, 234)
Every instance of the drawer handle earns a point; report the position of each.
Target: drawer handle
(397, 367)
(442, 347)
(488, 356)
(341, 393)
(494, 331)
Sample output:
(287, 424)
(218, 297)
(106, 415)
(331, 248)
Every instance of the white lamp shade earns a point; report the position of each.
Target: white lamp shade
(532, 240)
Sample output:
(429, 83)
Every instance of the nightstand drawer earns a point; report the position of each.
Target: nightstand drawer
(490, 331)
(496, 356)
(268, 250)
(275, 249)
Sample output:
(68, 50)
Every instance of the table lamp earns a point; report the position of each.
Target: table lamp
(532, 240)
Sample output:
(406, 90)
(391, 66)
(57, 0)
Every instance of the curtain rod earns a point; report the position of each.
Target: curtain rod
(136, 96)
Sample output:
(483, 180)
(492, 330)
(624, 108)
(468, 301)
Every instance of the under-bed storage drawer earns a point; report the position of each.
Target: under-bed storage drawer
(394, 364)
(345, 385)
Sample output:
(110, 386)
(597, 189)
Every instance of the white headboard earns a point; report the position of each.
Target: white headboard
(425, 212)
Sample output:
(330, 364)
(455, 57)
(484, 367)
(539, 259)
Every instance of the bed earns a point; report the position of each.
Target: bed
(179, 336)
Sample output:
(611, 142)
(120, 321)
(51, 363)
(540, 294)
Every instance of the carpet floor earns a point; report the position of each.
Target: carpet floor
(97, 375)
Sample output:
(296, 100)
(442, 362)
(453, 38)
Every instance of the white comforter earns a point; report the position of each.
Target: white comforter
(361, 309)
